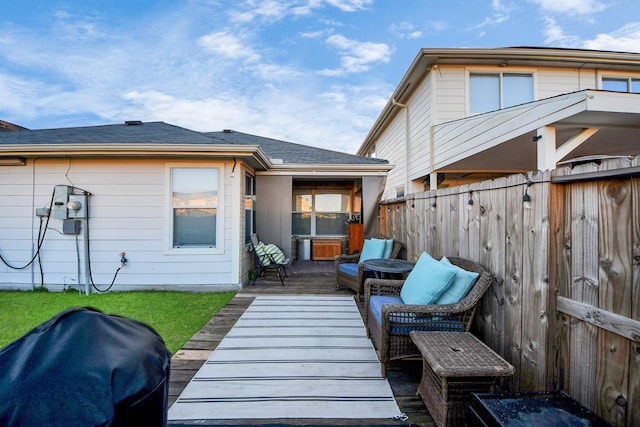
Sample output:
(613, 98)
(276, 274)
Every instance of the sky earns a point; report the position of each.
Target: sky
(314, 72)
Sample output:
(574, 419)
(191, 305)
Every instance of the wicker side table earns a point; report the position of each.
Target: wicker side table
(455, 364)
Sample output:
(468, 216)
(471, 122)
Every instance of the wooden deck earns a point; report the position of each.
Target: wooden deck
(307, 277)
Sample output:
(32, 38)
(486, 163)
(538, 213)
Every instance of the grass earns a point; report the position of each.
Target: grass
(176, 316)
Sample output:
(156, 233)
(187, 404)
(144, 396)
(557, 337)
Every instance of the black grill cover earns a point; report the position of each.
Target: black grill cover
(85, 368)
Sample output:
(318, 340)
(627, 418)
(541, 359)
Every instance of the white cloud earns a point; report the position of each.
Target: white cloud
(204, 114)
(555, 35)
(405, 30)
(269, 10)
(571, 7)
(350, 5)
(626, 39)
(227, 45)
(501, 14)
(357, 56)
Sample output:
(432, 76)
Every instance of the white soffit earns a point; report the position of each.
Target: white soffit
(486, 141)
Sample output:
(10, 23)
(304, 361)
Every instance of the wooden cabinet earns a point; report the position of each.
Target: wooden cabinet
(325, 249)
(356, 238)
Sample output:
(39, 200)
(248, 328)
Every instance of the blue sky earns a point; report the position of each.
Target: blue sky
(316, 72)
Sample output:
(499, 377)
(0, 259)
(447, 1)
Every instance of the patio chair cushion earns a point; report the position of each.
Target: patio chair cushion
(427, 281)
(377, 301)
(350, 268)
(276, 253)
(388, 247)
(261, 252)
(461, 285)
(372, 249)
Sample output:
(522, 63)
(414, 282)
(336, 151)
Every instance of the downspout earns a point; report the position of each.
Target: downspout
(406, 143)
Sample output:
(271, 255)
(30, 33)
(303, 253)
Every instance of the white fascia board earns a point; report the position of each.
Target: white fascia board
(134, 150)
(328, 170)
(613, 102)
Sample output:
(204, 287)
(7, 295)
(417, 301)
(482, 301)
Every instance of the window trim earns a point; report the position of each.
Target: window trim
(313, 212)
(251, 196)
(168, 231)
(500, 72)
(622, 76)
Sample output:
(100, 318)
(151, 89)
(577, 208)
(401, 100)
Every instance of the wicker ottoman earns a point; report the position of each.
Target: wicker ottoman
(455, 364)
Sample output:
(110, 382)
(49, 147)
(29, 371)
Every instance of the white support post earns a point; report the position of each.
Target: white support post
(433, 181)
(546, 148)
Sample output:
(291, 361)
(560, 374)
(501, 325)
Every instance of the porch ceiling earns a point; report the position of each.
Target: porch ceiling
(503, 141)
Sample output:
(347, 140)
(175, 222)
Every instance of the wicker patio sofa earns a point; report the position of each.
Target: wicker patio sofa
(391, 338)
(354, 282)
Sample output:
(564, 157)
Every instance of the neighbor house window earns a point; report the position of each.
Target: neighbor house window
(494, 91)
(320, 212)
(194, 207)
(617, 84)
(249, 208)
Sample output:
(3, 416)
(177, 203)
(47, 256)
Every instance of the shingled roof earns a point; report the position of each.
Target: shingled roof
(152, 135)
(134, 132)
(292, 153)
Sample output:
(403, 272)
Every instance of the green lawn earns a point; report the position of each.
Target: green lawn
(176, 316)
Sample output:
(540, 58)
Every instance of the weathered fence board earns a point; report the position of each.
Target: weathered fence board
(535, 243)
(584, 287)
(634, 358)
(615, 254)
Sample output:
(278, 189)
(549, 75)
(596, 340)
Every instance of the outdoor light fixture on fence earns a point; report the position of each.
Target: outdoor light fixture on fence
(526, 199)
(470, 202)
(434, 204)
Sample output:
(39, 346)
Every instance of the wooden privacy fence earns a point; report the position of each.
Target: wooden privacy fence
(564, 308)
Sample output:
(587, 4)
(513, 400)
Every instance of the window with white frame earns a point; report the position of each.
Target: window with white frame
(249, 209)
(194, 207)
(621, 84)
(494, 91)
(320, 212)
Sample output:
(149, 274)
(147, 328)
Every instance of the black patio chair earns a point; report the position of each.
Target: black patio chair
(266, 260)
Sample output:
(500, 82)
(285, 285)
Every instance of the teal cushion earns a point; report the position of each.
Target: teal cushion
(372, 249)
(388, 247)
(427, 281)
(461, 285)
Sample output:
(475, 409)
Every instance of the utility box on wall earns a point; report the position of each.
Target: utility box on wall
(60, 200)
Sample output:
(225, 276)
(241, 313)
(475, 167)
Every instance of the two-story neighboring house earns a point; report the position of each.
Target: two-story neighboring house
(465, 115)
(181, 205)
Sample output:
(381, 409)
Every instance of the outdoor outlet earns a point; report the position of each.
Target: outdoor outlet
(123, 260)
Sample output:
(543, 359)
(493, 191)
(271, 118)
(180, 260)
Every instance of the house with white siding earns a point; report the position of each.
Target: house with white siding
(138, 206)
(465, 115)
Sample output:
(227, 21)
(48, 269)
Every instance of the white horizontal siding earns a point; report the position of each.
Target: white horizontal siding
(555, 81)
(450, 92)
(390, 146)
(419, 130)
(128, 212)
